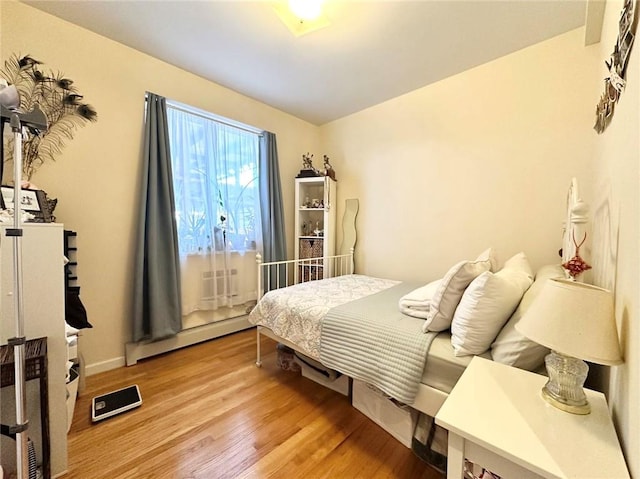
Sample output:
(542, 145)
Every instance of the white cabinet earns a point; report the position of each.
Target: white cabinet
(315, 225)
(43, 299)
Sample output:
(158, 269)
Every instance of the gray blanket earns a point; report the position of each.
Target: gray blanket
(371, 340)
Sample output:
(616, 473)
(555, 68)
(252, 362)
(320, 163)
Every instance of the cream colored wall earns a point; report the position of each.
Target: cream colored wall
(480, 159)
(96, 178)
(484, 159)
(616, 176)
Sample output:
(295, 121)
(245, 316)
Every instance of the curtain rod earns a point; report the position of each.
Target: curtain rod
(210, 116)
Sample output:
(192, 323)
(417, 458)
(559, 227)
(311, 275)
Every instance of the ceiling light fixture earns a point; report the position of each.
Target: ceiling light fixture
(301, 16)
(306, 9)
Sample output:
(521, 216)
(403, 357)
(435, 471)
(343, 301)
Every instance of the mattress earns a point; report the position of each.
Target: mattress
(443, 369)
(295, 313)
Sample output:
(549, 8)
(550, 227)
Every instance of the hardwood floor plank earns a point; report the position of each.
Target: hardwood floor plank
(208, 412)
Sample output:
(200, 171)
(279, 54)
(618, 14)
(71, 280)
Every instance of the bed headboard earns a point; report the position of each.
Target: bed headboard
(603, 245)
(575, 228)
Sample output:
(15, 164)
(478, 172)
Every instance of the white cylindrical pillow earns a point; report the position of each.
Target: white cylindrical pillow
(416, 303)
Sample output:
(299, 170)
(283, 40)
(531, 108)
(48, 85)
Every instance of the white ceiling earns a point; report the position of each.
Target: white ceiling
(371, 51)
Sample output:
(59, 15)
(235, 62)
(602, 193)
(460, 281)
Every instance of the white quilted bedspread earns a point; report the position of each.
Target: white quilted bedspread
(295, 313)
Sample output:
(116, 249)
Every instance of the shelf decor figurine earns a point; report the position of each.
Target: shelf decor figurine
(328, 169)
(307, 171)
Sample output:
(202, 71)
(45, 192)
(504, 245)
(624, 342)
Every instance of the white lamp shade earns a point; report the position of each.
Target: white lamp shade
(575, 319)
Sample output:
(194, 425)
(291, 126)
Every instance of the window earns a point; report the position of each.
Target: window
(215, 178)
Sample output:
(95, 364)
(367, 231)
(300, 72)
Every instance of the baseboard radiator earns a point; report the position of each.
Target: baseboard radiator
(219, 283)
(216, 286)
(187, 337)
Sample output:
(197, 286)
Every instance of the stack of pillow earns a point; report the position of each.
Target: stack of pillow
(481, 307)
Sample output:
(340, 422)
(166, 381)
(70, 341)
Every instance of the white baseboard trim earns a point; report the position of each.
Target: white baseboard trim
(136, 351)
(102, 366)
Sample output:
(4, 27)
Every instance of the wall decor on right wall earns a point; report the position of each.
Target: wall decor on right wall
(614, 84)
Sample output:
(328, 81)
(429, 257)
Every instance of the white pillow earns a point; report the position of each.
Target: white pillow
(520, 262)
(445, 300)
(490, 255)
(511, 347)
(487, 304)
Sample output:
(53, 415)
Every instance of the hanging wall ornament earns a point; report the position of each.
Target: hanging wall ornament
(577, 265)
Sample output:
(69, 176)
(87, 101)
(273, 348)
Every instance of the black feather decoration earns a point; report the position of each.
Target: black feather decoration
(58, 99)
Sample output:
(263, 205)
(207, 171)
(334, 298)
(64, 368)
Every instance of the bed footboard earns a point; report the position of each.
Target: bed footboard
(280, 274)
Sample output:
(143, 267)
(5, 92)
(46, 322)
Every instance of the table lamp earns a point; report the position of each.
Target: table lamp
(576, 321)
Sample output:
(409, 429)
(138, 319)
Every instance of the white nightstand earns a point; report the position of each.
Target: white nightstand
(497, 418)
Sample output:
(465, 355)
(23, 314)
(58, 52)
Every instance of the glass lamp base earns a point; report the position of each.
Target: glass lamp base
(566, 378)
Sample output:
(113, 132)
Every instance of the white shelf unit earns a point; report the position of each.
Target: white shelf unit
(315, 225)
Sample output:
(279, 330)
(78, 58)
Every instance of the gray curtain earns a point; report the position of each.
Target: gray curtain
(157, 308)
(273, 234)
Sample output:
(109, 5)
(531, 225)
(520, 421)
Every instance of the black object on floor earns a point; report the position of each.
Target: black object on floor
(115, 402)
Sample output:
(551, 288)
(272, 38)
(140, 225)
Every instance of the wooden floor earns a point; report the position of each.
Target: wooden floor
(209, 412)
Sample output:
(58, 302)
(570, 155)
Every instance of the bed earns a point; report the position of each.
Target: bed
(410, 340)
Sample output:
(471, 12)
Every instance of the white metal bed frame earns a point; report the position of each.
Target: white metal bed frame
(286, 273)
(428, 400)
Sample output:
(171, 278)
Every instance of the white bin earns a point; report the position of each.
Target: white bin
(399, 421)
(340, 384)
